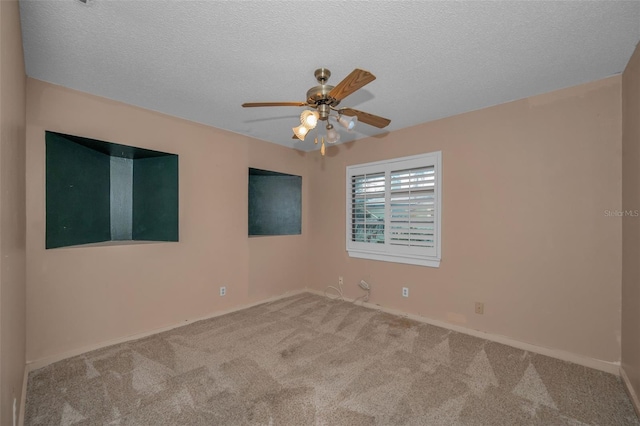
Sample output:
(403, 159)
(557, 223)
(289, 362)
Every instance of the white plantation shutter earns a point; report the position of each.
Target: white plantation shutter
(367, 208)
(394, 209)
(412, 201)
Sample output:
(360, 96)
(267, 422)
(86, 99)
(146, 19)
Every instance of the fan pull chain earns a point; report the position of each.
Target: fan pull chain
(316, 140)
(322, 147)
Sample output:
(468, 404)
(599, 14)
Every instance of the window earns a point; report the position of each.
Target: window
(393, 210)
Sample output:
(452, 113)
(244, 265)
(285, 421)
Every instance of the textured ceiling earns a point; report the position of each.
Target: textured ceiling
(201, 60)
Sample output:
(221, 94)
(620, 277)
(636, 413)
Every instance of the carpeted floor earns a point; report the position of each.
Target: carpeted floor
(307, 360)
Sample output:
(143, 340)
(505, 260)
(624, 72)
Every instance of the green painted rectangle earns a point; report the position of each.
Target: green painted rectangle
(100, 191)
(155, 198)
(275, 203)
(77, 193)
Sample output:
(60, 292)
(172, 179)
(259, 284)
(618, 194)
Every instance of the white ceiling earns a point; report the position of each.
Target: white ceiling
(200, 60)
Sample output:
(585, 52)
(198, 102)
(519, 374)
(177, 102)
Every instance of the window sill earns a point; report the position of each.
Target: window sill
(431, 262)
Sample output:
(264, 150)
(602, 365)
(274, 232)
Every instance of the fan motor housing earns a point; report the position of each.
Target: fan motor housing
(320, 95)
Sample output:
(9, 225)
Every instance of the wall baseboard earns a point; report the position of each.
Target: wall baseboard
(608, 367)
(633, 396)
(23, 401)
(43, 362)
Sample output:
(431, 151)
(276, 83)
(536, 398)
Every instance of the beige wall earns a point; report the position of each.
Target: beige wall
(12, 211)
(79, 297)
(630, 224)
(525, 187)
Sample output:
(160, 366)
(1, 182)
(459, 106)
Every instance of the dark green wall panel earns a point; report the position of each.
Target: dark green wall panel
(275, 203)
(77, 193)
(155, 198)
(100, 191)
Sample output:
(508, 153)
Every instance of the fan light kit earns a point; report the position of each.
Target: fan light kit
(324, 99)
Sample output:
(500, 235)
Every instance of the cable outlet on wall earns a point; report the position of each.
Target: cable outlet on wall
(223, 291)
(479, 308)
(405, 291)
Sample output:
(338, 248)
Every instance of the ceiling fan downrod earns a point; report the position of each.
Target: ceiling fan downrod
(322, 75)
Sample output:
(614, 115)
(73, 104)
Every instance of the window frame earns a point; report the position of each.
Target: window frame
(386, 251)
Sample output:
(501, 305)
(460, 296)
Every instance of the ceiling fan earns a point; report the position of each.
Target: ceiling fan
(324, 99)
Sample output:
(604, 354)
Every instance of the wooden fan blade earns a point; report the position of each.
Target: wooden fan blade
(365, 117)
(354, 81)
(295, 137)
(270, 104)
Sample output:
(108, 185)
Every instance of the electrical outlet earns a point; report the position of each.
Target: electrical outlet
(340, 281)
(479, 308)
(405, 291)
(223, 291)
